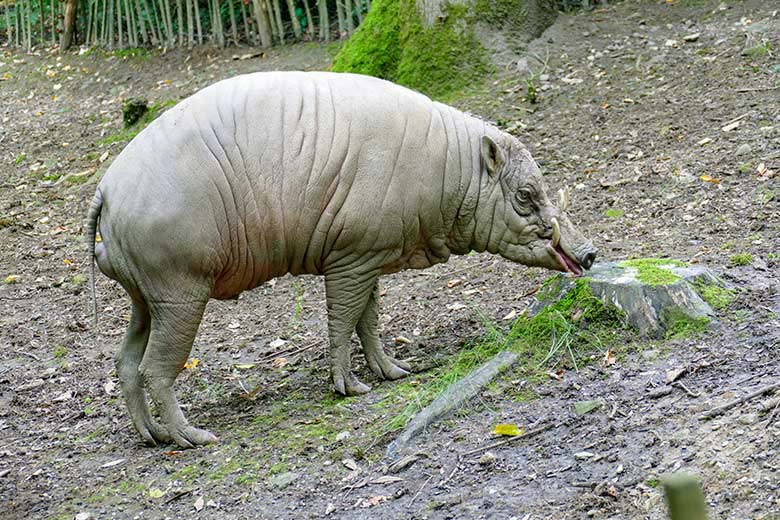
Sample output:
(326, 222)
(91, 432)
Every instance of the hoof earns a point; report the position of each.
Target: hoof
(388, 368)
(349, 385)
(190, 437)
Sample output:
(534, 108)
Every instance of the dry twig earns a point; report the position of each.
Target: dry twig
(718, 410)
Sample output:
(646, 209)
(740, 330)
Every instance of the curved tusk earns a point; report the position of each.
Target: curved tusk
(556, 238)
(563, 199)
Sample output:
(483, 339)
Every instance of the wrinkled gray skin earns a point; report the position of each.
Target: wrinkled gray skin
(342, 175)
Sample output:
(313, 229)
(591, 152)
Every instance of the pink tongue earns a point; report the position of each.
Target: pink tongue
(571, 265)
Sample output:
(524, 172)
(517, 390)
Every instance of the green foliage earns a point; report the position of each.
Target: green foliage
(681, 325)
(741, 259)
(126, 134)
(651, 272)
(717, 297)
(375, 48)
(565, 333)
(614, 213)
(393, 43)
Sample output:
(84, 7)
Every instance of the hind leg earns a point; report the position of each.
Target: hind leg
(173, 328)
(127, 361)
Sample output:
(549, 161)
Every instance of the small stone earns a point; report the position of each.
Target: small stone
(342, 436)
(487, 459)
(282, 480)
(584, 455)
(743, 149)
(691, 37)
(748, 418)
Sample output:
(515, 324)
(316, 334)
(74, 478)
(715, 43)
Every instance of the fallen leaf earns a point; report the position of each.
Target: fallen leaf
(244, 366)
(583, 407)
(113, 463)
(511, 430)
(456, 306)
(67, 261)
(402, 339)
(557, 375)
(279, 362)
(109, 387)
(199, 503)
(373, 501)
(65, 396)
(731, 126)
(609, 358)
(707, 178)
(674, 374)
(173, 453)
(82, 516)
(350, 464)
(192, 363)
(156, 493)
(704, 141)
(12, 278)
(510, 316)
(104, 156)
(454, 283)
(277, 343)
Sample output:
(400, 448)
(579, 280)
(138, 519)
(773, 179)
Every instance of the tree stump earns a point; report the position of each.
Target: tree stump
(659, 297)
(133, 110)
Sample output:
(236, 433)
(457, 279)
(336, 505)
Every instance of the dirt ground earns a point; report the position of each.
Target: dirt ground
(664, 119)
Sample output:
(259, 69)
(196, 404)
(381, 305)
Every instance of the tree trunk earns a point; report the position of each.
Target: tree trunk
(190, 25)
(340, 15)
(233, 24)
(324, 21)
(8, 30)
(196, 9)
(296, 24)
(244, 17)
(180, 19)
(69, 24)
(348, 15)
(278, 16)
(263, 25)
(309, 22)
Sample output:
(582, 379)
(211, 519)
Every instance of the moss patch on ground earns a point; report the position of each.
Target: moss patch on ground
(127, 134)
(568, 333)
(651, 272)
(393, 43)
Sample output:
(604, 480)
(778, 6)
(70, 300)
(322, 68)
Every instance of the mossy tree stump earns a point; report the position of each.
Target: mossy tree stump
(659, 297)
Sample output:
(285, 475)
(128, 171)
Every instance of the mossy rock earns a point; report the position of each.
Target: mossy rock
(662, 298)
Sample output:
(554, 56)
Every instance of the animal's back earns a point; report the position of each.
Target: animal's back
(258, 175)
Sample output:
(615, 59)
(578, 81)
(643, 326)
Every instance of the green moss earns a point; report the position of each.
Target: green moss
(717, 297)
(680, 325)
(650, 271)
(155, 110)
(565, 333)
(393, 43)
(375, 48)
(741, 259)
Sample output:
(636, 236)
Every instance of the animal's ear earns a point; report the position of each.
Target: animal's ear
(493, 156)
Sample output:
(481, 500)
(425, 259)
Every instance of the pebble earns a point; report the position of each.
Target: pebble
(743, 149)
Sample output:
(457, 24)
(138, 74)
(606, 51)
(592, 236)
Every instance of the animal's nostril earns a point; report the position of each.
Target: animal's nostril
(588, 259)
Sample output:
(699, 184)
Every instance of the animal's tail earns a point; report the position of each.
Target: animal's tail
(93, 218)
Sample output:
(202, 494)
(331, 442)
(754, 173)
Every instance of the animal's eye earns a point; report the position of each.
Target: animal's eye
(523, 196)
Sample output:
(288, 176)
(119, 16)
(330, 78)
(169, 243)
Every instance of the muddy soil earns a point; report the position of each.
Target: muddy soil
(663, 118)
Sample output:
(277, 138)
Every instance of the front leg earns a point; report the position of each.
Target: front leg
(380, 363)
(347, 293)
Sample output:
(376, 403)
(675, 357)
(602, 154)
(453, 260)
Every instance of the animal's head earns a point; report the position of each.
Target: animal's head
(524, 224)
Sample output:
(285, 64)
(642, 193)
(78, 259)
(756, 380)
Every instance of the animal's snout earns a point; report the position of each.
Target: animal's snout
(588, 258)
